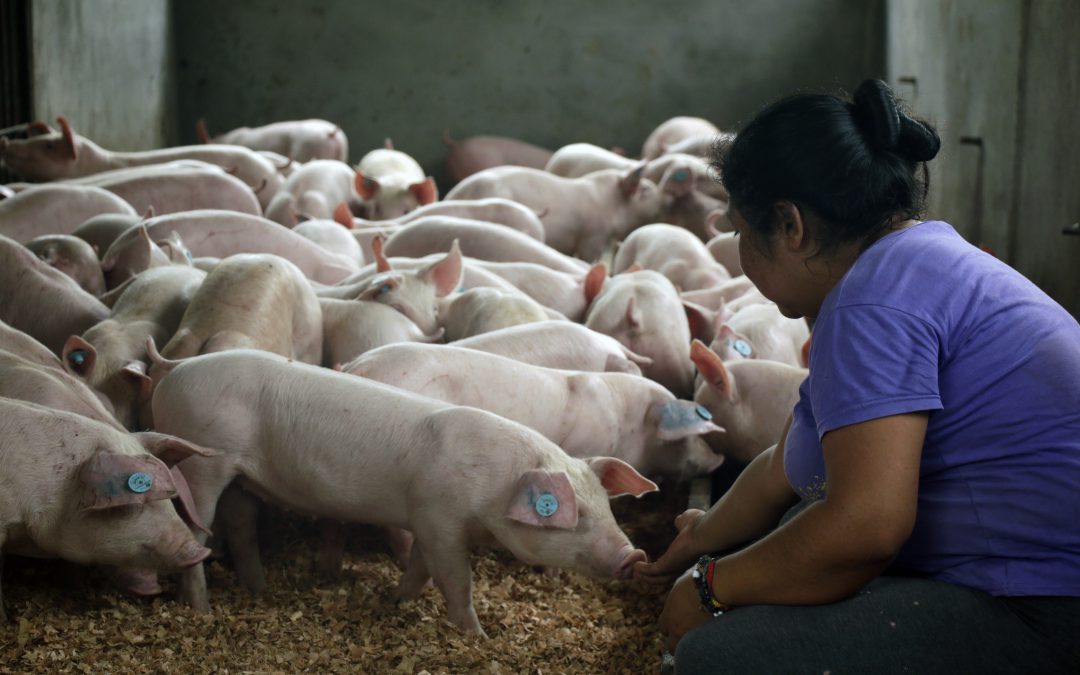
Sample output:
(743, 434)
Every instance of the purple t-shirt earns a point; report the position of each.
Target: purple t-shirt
(924, 321)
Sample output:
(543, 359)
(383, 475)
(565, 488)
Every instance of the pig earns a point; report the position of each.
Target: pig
(751, 399)
(219, 234)
(22, 345)
(481, 310)
(299, 140)
(415, 293)
(476, 153)
(559, 344)
(581, 215)
(724, 248)
(111, 355)
(479, 240)
(101, 231)
(24, 380)
(716, 297)
(392, 184)
(562, 291)
(176, 190)
(494, 210)
(674, 252)
(332, 237)
(389, 457)
(68, 155)
(353, 327)
(586, 414)
(313, 191)
(643, 311)
(250, 300)
(581, 159)
(132, 254)
(79, 490)
(762, 332)
(705, 178)
(72, 256)
(56, 209)
(674, 130)
(685, 205)
(42, 301)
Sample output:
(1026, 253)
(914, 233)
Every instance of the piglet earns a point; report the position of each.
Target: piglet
(586, 414)
(101, 231)
(392, 184)
(21, 344)
(760, 331)
(673, 131)
(56, 209)
(79, 490)
(563, 292)
(299, 140)
(675, 253)
(72, 256)
(314, 190)
(32, 382)
(559, 344)
(476, 153)
(353, 327)
(392, 458)
(481, 310)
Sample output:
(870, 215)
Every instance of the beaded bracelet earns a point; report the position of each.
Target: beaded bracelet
(703, 572)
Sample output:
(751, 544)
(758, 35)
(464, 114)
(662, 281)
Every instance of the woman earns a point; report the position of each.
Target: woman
(935, 444)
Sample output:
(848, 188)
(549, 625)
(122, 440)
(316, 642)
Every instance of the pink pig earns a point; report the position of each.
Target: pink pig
(675, 253)
(313, 191)
(20, 344)
(56, 209)
(299, 140)
(454, 476)
(353, 327)
(581, 216)
(482, 310)
(673, 131)
(761, 332)
(72, 256)
(586, 414)
(79, 490)
(559, 344)
(476, 153)
(392, 184)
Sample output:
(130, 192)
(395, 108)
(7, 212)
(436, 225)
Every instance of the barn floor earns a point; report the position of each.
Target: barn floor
(63, 620)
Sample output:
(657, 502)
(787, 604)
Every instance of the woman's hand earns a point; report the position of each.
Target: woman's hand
(682, 611)
(681, 554)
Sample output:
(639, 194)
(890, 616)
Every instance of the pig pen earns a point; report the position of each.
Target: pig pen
(65, 619)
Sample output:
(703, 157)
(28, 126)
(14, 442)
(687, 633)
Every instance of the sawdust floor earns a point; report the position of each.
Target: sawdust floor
(65, 620)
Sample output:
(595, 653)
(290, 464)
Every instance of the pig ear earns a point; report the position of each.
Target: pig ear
(544, 499)
(633, 314)
(170, 449)
(38, 128)
(381, 263)
(367, 188)
(109, 299)
(379, 286)
(619, 478)
(149, 213)
(78, 356)
(712, 220)
(201, 132)
(425, 191)
(636, 267)
(700, 320)
(134, 373)
(447, 273)
(678, 181)
(110, 479)
(712, 370)
(594, 282)
(69, 136)
(630, 182)
(806, 351)
(343, 215)
(678, 419)
(186, 506)
(388, 143)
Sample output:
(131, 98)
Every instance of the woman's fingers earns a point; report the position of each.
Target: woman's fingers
(687, 517)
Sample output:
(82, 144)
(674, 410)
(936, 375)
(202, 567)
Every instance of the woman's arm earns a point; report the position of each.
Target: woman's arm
(753, 506)
(835, 546)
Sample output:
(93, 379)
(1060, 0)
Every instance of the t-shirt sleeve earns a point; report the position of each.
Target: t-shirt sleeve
(870, 361)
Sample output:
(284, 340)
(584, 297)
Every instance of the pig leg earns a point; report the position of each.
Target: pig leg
(400, 542)
(446, 553)
(415, 579)
(239, 512)
(207, 477)
(331, 549)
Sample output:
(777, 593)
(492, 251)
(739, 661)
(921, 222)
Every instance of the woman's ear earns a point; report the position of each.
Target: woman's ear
(791, 224)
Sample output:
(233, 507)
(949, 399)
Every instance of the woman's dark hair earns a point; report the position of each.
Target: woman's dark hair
(851, 163)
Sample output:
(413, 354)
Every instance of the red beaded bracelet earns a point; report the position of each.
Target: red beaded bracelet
(703, 574)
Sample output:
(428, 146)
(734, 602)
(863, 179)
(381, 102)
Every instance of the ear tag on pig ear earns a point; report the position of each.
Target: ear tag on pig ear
(385, 288)
(680, 176)
(140, 482)
(546, 505)
(743, 347)
(704, 413)
(77, 358)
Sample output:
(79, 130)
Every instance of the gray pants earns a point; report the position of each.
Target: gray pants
(893, 625)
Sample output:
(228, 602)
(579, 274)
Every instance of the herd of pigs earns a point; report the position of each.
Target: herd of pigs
(186, 331)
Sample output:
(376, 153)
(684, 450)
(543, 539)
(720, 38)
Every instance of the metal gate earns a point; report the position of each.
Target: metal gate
(14, 69)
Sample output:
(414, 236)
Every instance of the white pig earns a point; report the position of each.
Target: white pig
(559, 344)
(482, 310)
(392, 184)
(675, 253)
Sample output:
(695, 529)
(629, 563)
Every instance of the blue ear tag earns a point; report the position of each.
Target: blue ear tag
(77, 358)
(743, 347)
(704, 413)
(187, 254)
(546, 505)
(681, 175)
(385, 288)
(140, 482)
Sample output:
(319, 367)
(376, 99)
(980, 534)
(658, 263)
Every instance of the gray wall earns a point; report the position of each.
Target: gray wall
(551, 72)
(104, 64)
(1001, 80)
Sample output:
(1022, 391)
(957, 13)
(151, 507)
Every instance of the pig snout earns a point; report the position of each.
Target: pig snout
(625, 566)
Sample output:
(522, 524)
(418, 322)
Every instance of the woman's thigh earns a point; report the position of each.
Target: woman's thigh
(893, 625)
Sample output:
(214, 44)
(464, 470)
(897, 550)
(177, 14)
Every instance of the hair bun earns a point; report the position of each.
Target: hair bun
(876, 113)
(887, 127)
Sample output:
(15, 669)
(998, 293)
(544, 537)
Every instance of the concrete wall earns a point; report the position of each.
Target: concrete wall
(1007, 173)
(105, 65)
(552, 72)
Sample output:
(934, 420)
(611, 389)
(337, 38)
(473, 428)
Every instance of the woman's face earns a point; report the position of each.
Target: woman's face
(776, 271)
